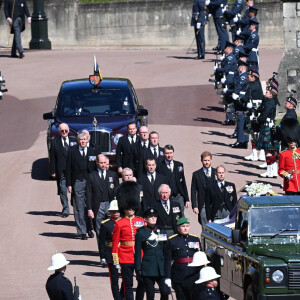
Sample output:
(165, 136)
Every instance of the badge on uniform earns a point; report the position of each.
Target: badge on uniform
(180, 168)
(110, 179)
(176, 210)
(73, 144)
(141, 194)
(138, 223)
(229, 189)
(161, 153)
(111, 186)
(162, 237)
(177, 217)
(152, 237)
(92, 158)
(193, 245)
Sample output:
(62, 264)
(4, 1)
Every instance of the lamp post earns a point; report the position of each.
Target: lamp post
(39, 28)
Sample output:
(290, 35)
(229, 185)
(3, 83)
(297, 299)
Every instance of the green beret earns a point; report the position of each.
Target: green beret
(183, 220)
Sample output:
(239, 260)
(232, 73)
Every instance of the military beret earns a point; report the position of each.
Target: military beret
(243, 54)
(253, 71)
(253, 9)
(253, 22)
(183, 220)
(239, 37)
(230, 45)
(150, 212)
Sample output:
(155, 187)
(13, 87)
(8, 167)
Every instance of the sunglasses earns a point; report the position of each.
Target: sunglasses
(64, 131)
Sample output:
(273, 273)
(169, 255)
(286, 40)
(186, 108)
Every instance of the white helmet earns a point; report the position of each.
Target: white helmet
(113, 205)
(199, 259)
(207, 274)
(58, 261)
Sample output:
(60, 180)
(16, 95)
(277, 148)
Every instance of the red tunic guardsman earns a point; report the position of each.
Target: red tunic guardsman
(123, 239)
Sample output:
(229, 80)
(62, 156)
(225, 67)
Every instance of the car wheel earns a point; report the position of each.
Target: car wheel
(250, 293)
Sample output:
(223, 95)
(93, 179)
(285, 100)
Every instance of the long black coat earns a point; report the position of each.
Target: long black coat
(94, 189)
(124, 153)
(19, 9)
(215, 197)
(59, 287)
(199, 187)
(150, 192)
(178, 170)
(144, 155)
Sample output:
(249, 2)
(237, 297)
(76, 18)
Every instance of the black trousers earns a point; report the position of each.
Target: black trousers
(289, 193)
(127, 275)
(181, 292)
(114, 281)
(149, 282)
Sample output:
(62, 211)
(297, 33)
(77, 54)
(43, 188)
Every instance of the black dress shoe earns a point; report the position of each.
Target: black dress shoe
(238, 145)
(228, 122)
(21, 55)
(83, 237)
(91, 234)
(215, 48)
(233, 136)
(14, 55)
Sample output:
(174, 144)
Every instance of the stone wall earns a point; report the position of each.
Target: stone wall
(160, 23)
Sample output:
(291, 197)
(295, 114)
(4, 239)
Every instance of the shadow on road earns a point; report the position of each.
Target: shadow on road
(212, 108)
(86, 253)
(65, 235)
(44, 213)
(214, 133)
(207, 120)
(243, 172)
(40, 170)
(229, 155)
(216, 143)
(85, 263)
(64, 223)
(181, 57)
(96, 274)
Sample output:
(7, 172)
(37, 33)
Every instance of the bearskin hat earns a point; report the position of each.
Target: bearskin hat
(128, 196)
(290, 130)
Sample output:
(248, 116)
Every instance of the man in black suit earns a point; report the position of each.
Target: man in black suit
(100, 192)
(174, 171)
(220, 197)
(125, 148)
(150, 183)
(168, 211)
(153, 152)
(200, 180)
(15, 11)
(91, 144)
(58, 158)
(81, 161)
(140, 146)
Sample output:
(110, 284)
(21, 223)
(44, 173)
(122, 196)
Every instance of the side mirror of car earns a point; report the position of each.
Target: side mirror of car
(48, 116)
(143, 112)
(236, 236)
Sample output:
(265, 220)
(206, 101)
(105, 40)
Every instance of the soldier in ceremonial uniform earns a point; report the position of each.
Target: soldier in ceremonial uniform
(208, 277)
(151, 241)
(123, 240)
(105, 247)
(289, 160)
(181, 249)
(59, 287)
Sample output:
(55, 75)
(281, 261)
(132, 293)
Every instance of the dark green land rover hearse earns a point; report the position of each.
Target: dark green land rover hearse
(259, 257)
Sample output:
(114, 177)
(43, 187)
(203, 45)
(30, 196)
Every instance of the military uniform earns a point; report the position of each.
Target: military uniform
(181, 250)
(151, 241)
(105, 248)
(289, 163)
(208, 293)
(59, 287)
(123, 242)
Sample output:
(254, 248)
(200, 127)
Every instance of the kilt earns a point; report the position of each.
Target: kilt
(265, 141)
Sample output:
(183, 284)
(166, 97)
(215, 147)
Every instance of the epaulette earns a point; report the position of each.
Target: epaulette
(105, 221)
(194, 235)
(173, 236)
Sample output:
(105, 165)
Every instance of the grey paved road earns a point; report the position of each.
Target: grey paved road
(183, 108)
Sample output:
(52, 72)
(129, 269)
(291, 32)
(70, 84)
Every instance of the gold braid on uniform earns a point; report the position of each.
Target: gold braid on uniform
(296, 154)
(115, 258)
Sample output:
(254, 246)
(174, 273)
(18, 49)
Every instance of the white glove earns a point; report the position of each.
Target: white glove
(118, 266)
(198, 25)
(168, 282)
(251, 118)
(225, 90)
(79, 298)
(103, 260)
(223, 80)
(235, 96)
(235, 19)
(239, 31)
(207, 2)
(249, 105)
(222, 57)
(289, 176)
(215, 68)
(224, 9)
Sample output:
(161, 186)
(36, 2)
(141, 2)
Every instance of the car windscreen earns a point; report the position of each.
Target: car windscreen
(95, 102)
(271, 220)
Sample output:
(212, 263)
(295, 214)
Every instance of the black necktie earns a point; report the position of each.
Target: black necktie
(144, 145)
(155, 153)
(132, 140)
(66, 146)
(152, 179)
(83, 153)
(222, 187)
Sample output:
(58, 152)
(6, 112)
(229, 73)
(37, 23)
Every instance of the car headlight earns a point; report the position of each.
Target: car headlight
(116, 138)
(277, 276)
